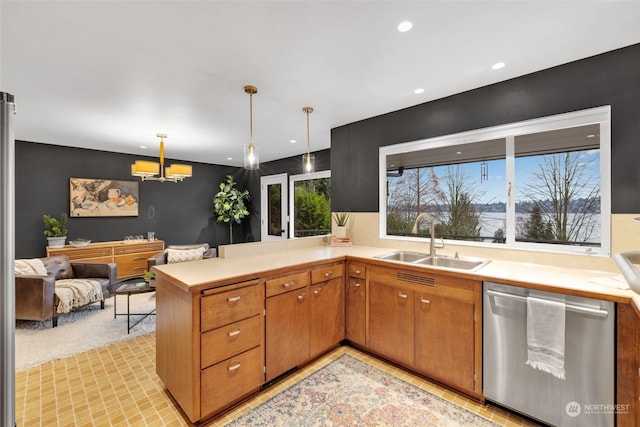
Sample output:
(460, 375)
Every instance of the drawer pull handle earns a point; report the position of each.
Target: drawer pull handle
(234, 367)
(356, 271)
(328, 273)
(234, 333)
(401, 295)
(233, 299)
(425, 301)
(356, 284)
(301, 297)
(288, 284)
(317, 291)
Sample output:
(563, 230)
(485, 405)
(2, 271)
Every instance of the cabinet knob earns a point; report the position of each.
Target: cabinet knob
(356, 271)
(234, 367)
(317, 291)
(356, 284)
(288, 284)
(401, 295)
(234, 333)
(302, 296)
(328, 273)
(425, 301)
(234, 299)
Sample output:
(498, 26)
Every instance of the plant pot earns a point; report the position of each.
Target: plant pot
(341, 231)
(56, 242)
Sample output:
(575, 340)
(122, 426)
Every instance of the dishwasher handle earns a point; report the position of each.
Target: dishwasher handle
(570, 307)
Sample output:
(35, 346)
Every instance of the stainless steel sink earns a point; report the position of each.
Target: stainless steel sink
(470, 264)
(420, 258)
(404, 256)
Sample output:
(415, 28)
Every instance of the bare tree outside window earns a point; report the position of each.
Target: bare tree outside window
(459, 218)
(567, 196)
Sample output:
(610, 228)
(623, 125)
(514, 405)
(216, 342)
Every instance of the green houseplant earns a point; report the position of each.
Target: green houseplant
(55, 229)
(342, 220)
(229, 204)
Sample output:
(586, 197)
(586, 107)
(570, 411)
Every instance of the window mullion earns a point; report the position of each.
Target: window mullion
(510, 191)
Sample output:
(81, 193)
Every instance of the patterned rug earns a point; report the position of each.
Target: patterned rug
(348, 392)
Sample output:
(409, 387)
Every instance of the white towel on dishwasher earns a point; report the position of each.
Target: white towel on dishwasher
(545, 335)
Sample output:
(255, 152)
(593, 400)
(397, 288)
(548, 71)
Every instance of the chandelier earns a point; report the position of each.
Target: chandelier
(153, 171)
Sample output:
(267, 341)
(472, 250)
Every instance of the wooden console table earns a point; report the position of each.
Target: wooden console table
(130, 257)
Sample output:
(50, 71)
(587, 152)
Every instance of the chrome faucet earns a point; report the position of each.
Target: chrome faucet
(432, 221)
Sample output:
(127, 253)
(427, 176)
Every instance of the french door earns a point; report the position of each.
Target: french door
(273, 200)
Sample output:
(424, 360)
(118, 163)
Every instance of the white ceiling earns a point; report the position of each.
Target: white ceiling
(109, 75)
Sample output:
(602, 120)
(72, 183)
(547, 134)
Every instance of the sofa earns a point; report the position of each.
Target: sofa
(35, 294)
(181, 253)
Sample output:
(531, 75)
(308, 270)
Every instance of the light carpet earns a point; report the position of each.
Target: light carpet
(82, 330)
(350, 392)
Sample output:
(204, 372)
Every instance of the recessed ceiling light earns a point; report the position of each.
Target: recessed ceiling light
(404, 26)
(419, 90)
(143, 147)
(293, 141)
(497, 65)
(591, 135)
(458, 152)
(229, 158)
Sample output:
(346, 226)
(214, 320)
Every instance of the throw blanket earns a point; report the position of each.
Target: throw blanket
(545, 336)
(74, 293)
(23, 267)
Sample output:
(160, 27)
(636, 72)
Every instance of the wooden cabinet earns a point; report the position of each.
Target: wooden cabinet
(390, 320)
(428, 322)
(304, 316)
(326, 327)
(356, 303)
(286, 323)
(210, 344)
(131, 258)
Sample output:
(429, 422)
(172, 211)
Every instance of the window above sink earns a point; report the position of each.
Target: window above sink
(541, 184)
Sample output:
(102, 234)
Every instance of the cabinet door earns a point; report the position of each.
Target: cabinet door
(391, 322)
(356, 310)
(327, 316)
(287, 331)
(444, 339)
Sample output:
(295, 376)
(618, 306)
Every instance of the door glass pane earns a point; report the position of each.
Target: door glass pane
(274, 209)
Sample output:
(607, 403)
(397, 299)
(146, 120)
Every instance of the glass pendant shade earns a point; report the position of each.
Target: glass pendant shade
(308, 163)
(251, 157)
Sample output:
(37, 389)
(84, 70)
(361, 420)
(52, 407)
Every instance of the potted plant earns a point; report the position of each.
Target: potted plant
(149, 277)
(55, 230)
(229, 204)
(342, 220)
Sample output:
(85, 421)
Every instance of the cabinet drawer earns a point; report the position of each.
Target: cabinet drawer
(134, 264)
(83, 253)
(132, 248)
(287, 283)
(323, 274)
(227, 307)
(228, 381)
(227, 341)
(357, 270)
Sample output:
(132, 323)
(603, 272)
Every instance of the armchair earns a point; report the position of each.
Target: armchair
(36, 297)
(163, 257)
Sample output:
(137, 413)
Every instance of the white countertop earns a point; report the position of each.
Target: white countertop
(191, 276)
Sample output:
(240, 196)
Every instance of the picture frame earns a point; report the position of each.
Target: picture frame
(92, 197)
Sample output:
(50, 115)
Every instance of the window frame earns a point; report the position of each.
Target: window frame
(600, 115)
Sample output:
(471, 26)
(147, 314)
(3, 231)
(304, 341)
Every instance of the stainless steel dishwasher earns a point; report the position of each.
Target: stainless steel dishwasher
(587, 396)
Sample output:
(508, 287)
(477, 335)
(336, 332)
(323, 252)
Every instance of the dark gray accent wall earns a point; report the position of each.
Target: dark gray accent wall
(612, 78)
(177, 212)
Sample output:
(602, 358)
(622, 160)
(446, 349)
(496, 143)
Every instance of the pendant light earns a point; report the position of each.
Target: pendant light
(308, 160)
(251, 155)
(154, 171)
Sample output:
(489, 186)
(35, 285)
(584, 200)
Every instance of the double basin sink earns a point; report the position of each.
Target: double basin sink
(420, 258)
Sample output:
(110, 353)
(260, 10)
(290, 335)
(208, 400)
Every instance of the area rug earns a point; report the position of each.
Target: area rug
(82, 330)
(349, 392)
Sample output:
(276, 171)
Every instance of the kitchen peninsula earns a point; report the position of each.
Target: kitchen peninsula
(221, 322)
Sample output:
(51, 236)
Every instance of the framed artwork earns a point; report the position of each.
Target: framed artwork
(102, 197)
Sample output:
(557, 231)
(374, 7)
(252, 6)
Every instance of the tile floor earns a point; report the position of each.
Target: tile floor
(117, 385)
